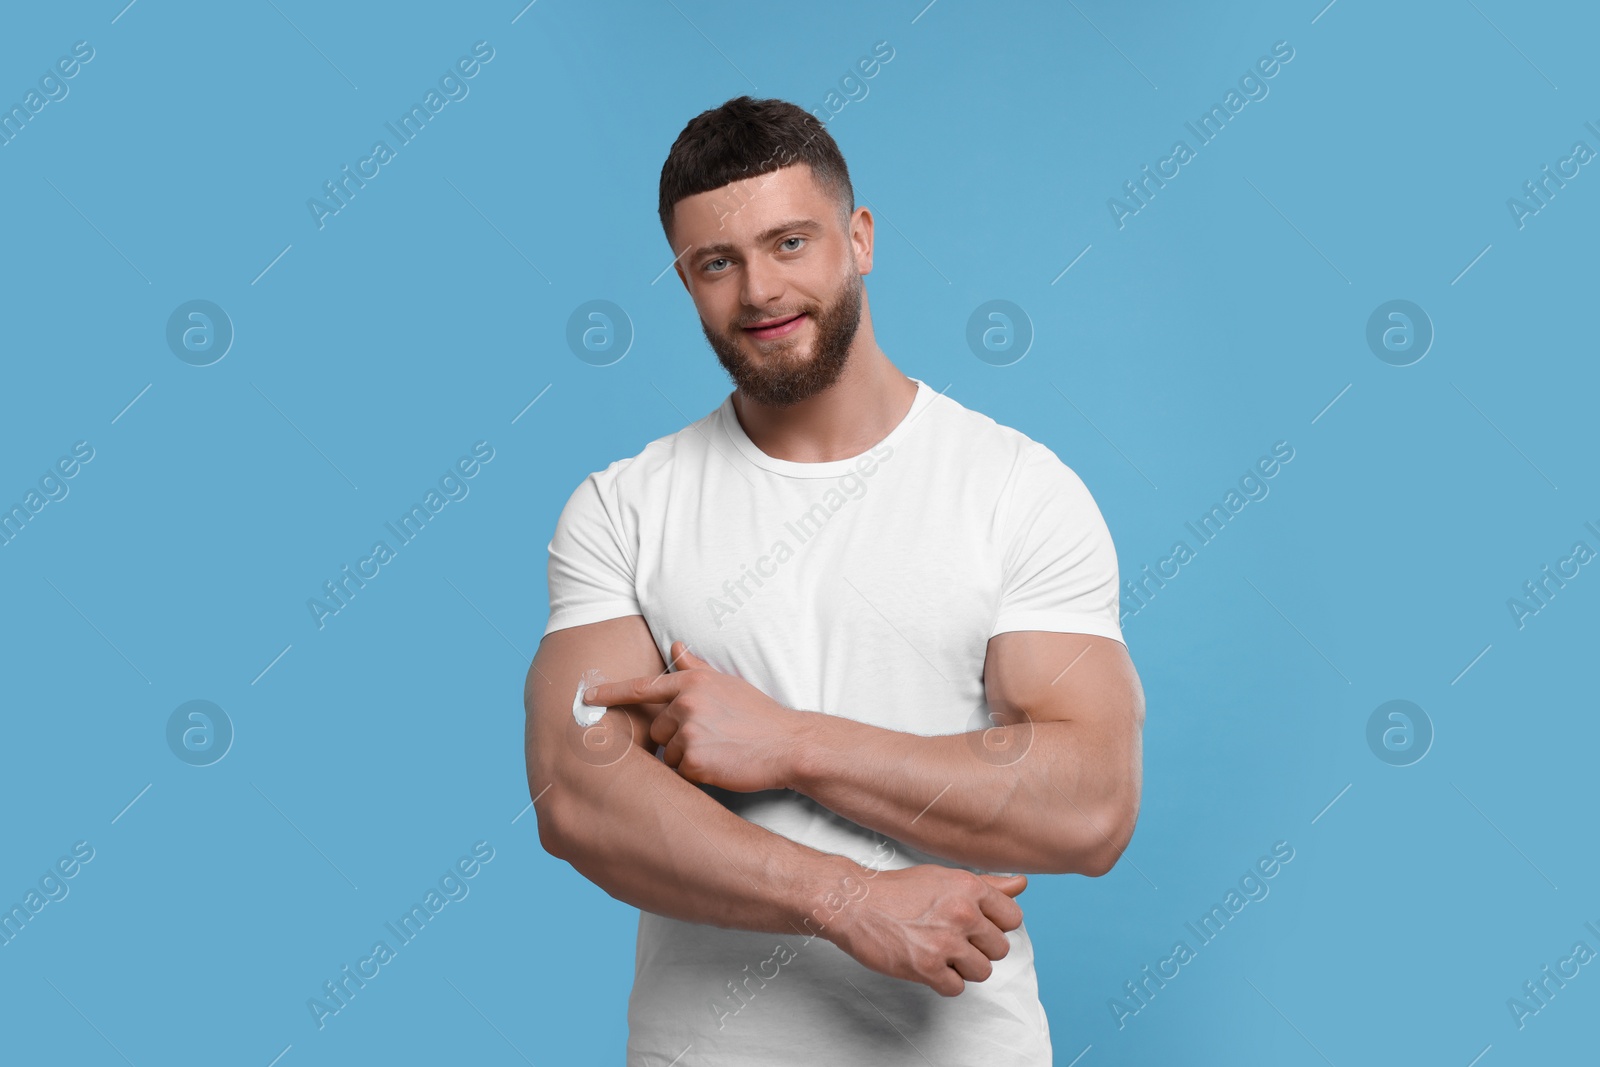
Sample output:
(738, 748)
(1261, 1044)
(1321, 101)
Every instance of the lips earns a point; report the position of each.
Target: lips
(776, 327)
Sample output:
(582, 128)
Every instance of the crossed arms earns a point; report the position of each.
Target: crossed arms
(1053, 788)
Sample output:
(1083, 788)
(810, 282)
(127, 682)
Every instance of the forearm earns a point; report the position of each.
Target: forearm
(1039, 799)
(654, 840)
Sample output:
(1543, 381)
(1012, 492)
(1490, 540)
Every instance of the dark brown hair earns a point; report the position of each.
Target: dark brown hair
(746, 137)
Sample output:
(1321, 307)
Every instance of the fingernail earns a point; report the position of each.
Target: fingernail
(588, 695)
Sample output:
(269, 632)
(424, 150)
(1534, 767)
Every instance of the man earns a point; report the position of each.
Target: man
(896, 665)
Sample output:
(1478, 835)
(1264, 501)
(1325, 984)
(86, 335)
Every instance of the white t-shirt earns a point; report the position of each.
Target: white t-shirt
(867, 588)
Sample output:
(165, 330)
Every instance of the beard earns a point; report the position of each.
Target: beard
(781, 376)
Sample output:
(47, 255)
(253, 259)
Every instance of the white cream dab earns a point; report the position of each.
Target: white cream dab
(584, 714)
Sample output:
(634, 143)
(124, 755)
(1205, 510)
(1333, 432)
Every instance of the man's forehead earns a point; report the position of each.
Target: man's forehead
(747, 206)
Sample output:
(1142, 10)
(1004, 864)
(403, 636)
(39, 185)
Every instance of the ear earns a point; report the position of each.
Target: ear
(861, 239)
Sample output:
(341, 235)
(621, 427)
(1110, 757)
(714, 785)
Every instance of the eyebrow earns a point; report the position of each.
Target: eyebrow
(723, 248)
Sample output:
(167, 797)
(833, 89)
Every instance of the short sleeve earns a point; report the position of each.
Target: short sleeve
(1060, 566)
(591, 568)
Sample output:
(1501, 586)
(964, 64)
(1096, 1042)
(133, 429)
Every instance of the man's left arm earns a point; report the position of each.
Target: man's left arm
(1054, 787)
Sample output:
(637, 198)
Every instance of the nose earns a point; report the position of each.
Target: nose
(763, 283)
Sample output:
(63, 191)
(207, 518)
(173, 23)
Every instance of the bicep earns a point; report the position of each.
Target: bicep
(1085, 685)
(618, 648)
(1045, 676)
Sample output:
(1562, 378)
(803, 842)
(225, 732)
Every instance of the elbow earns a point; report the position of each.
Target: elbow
(1112, 834)
(1098, 863)
(566, 817)
(553, 835)
(550, 801)
(1111, 822)
(550, 793)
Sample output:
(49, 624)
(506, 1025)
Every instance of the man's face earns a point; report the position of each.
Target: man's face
(776, 279)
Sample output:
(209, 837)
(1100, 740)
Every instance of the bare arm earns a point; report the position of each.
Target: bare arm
(1054, 789)
(652, 839)
(631, 825)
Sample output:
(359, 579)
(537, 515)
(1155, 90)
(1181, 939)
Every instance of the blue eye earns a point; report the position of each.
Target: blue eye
(786, 240)
(717, 260)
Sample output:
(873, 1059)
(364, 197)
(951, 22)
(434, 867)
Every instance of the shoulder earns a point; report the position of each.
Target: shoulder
(1002, 451)
(633, 477)
(1036, 494)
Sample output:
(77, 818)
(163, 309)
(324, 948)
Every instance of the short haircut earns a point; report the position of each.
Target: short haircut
(746, 137)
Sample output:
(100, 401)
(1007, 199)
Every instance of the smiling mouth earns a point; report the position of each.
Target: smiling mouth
(776, 327)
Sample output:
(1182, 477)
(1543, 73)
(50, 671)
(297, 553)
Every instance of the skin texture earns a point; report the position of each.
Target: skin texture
(1053, 787)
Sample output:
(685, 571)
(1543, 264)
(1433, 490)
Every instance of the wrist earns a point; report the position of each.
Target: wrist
(825, 901)
(805, 752)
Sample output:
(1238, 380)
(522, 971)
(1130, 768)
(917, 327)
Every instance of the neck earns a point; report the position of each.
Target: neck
(870, 399)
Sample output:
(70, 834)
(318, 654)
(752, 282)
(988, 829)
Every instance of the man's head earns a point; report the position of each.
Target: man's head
(757, 204)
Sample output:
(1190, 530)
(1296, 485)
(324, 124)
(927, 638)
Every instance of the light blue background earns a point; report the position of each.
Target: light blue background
(1227, 315)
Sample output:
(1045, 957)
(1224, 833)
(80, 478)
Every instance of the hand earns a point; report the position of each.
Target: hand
(941, 926)
(717, 728)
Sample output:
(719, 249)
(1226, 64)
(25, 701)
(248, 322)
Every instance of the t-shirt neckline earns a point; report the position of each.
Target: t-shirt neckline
(832, 468)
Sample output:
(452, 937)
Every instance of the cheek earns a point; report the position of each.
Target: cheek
(712, 310)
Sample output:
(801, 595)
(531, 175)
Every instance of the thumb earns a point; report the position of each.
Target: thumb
(1009, 884)
(683, 659)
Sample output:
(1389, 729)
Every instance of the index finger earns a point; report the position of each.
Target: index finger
(659, 690)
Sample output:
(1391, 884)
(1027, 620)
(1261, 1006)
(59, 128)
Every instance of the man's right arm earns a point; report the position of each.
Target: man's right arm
(631, 825)
(650, 838)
